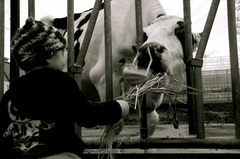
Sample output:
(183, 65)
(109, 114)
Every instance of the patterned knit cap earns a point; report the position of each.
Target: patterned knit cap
(34, 43)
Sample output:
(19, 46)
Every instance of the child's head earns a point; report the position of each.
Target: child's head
(34, 43)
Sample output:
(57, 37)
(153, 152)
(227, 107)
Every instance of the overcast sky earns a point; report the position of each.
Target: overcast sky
(218, 41)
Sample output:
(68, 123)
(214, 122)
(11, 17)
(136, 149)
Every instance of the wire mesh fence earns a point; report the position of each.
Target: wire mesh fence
(216, 81)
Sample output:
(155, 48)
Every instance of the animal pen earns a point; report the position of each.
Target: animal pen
(194, 79)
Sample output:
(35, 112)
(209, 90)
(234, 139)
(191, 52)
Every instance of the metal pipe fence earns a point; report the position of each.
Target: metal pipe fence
(2, 19)
(223, 77)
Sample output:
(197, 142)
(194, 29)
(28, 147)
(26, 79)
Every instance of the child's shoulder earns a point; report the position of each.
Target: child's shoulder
(46, 75)
(58, 75)
(47, 72)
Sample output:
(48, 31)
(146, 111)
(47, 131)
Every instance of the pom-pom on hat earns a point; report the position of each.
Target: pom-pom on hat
(34, 43)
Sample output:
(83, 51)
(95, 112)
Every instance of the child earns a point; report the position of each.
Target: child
(38, 112)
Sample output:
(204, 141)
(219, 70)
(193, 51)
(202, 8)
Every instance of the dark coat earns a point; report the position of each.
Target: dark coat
(39, 111)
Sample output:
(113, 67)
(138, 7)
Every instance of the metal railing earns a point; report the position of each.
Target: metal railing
(198, 109)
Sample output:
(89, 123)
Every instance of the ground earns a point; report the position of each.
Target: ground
(131, 132)
(218, 124)
(221, 113)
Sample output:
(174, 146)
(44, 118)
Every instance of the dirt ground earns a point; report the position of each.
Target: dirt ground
(219, 123)
(220, 113)
(211, 130)
(130, 132)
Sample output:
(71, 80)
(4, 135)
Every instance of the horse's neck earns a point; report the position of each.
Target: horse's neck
(151, 9)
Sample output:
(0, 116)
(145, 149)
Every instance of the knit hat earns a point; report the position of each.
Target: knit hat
(34, 43)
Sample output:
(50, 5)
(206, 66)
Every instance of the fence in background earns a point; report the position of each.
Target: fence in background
(216, 81)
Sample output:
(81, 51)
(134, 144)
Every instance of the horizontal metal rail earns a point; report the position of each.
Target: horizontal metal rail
(211, 142)
(162, 143)
(167, 155)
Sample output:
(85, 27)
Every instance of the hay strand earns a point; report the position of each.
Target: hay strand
(111, 132)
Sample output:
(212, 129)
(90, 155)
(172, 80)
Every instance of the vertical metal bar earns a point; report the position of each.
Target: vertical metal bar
(70, 30)
(139, 42)
(207, 29)
(139, 25)
(70, 42)
(89, 31)
(108, 49)
(198, 70)
(31, 8)
(2, 22)
(234, 64)
(84, 47)
(199, 103)
(189, 69)
(15, 23)
(144, 126)
(86, 41)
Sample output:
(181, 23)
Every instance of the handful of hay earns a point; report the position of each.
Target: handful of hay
(155, 83)
(141, 81)
(149, 83)
(109, 135)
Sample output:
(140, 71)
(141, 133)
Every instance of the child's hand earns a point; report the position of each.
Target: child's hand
(125, 107)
